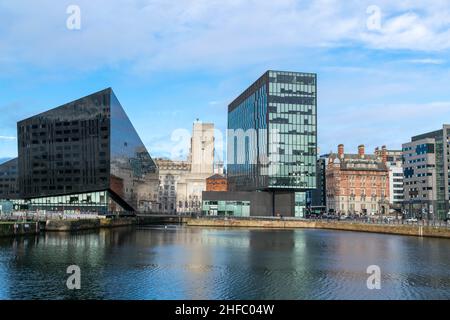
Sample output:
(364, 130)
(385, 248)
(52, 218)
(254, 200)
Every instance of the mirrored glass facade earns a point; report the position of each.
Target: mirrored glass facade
(98, 202)
(86, 146)
(273, 133)
(226, 208)
(133, 173)
(8, 180)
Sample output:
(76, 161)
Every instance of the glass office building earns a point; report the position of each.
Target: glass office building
(85, 154)
(426, 171)
(226, 208)
(272, 137)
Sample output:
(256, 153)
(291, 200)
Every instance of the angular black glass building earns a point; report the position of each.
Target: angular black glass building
(85, 155)
(8, 180)
(272, 139)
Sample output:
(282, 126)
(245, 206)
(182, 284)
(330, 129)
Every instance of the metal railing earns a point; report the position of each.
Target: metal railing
(36, 216)
(363, 220)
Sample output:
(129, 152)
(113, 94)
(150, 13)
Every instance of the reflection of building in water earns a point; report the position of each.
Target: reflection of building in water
(136, 179)
(84, 156)
(182, 182)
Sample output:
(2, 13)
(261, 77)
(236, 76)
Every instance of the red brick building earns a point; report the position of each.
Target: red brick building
(357, 183)
(217, 182)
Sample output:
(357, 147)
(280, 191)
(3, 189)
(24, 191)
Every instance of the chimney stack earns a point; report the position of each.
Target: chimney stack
(341, 150)
(361, 150)
(384, 154)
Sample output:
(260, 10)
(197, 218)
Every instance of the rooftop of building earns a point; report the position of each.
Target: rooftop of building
(168, 164)
(261, 80)
(431, 134)
(358, 161)
(9, 163)
(107, 90)
(217, 177)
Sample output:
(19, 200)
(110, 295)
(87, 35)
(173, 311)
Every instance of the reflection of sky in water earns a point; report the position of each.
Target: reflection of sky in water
(6, 255)
(203, 263)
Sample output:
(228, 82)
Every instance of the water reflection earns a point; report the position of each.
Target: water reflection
(199, 263)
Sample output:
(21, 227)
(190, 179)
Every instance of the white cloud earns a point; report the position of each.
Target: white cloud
(412, 25)
(375, 125)
(427, 61)
(182, 34)
(7, 138)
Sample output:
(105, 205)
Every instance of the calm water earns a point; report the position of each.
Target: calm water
(202, 263)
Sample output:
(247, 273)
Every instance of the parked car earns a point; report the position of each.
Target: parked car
(411, 220)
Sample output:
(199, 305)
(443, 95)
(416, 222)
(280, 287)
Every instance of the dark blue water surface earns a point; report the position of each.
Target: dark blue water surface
(202, 263)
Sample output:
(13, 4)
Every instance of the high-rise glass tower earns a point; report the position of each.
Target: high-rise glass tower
(272, 138)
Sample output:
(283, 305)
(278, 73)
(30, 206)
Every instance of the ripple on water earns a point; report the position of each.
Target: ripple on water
(196, 263)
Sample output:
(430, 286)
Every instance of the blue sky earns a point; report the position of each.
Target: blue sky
(170, 62)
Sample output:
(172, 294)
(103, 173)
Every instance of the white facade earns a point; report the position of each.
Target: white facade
(171, 174)
(396, 184)
(219, 168)
(202, 148)
(182, 182)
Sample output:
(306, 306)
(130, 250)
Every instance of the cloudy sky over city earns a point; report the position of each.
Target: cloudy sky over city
(383, 66)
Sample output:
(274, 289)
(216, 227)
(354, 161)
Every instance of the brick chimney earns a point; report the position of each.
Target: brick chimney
(384, 154)
(361, 150)
(341, 150)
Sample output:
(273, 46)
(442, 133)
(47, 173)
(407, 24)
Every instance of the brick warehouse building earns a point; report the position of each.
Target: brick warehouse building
(357, 183)
(217, 182)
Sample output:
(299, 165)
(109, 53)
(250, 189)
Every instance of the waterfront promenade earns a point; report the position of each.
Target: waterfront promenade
(441, 230)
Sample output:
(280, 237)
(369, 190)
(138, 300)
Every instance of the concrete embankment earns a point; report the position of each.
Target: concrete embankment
(9, 229)
(161, 219)
(86, 224)
(408, 230)
(65, 225)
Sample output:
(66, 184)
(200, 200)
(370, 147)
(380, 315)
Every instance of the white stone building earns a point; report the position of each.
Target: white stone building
(182, 182)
